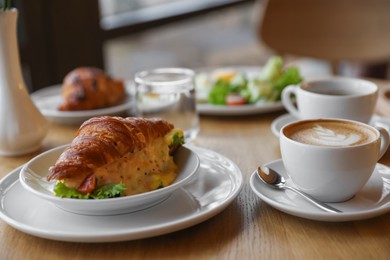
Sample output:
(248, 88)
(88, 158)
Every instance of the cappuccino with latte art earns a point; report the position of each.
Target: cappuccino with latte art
(330, 133)
(331, 159)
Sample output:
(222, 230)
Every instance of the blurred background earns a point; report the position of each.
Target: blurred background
(125, 36)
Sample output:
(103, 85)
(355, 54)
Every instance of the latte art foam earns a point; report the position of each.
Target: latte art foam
(330, 133)
(324, 136)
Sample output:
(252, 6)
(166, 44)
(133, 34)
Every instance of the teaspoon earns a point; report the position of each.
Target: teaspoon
(275, 180)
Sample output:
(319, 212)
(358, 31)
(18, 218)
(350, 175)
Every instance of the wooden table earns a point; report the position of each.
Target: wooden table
(247, 229)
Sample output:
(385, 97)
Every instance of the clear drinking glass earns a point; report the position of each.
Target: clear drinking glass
(169, 93)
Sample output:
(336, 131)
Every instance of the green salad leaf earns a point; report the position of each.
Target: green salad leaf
(104, 192)
(219, 92)
(177, 141)
(290, 76)
(272, 70)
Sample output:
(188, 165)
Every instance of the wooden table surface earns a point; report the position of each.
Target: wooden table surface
(246, 229)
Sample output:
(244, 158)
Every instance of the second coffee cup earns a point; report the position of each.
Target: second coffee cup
(334, 97)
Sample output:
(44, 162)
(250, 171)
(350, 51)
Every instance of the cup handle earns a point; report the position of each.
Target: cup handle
(287, 101)
(385, 136)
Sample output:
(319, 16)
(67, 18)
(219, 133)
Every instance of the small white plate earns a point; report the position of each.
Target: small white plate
(285, 119)
(218, 183)
(373, 200)
(33, 178)
(257, 108)
(48, 99)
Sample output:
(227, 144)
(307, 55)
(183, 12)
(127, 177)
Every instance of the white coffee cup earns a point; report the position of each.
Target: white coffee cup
(334, 97)
(331, 159)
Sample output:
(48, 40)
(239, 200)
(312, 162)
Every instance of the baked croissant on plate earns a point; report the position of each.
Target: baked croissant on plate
(89, 88)
(114, 156)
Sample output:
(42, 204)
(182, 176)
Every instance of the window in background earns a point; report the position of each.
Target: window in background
(119, 13)
(113, 7)
(223, 37)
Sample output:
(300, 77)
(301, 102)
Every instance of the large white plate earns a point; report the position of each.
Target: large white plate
(258, 108)
(371, 201)
(218, 183)
(33, 178)
(48, 99)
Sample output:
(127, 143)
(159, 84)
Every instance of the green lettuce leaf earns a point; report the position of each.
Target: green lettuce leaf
(177, 140)
(218, 93)
(104, 192)
(272, 70)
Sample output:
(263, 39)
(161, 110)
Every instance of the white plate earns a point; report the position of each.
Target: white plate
(218, 183)
(285, 119)
(33, 178)
(373, 200)
(258, 108)
(48, 99)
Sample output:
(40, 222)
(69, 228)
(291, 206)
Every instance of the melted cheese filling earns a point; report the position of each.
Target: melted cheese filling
(141, 171)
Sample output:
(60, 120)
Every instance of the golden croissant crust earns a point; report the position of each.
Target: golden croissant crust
(88, 88)
(133, 151)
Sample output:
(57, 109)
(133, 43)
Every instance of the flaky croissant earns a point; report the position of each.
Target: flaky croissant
(87, 88)
(111, 150)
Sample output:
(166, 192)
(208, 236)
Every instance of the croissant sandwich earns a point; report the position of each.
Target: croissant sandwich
(88, 88)
(114, 156)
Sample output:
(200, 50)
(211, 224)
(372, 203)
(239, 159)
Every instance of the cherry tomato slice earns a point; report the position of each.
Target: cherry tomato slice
(235, 100)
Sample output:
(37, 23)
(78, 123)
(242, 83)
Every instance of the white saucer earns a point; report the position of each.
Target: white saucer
(218, 183)
(283, 120)
(373, 200)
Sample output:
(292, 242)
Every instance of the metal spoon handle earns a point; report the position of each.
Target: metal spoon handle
(319, 204)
